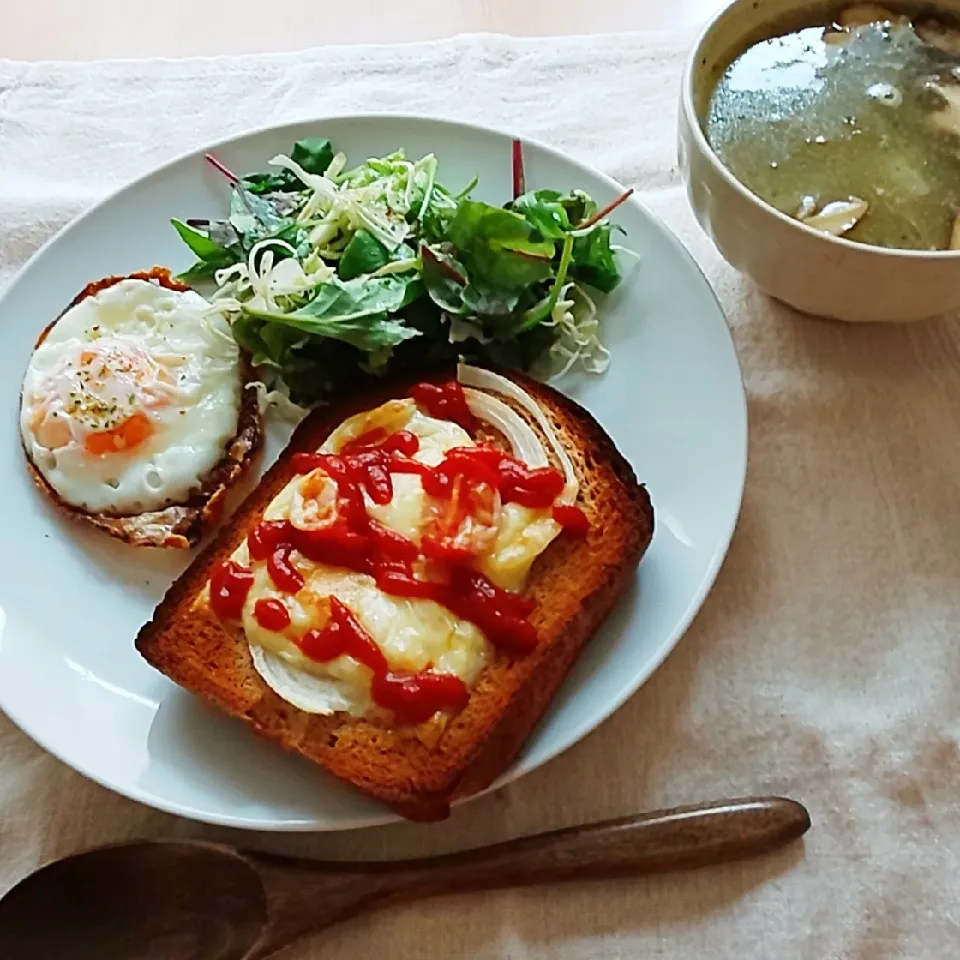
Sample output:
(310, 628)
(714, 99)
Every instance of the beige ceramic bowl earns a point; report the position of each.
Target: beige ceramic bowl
(816, 273)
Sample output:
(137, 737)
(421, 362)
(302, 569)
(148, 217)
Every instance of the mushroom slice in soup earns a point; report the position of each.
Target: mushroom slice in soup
(839, 216)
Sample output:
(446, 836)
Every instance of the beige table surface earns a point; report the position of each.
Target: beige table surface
(824, 664)
(91, 29)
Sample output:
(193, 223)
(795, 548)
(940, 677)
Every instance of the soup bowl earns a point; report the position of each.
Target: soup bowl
(811, 271)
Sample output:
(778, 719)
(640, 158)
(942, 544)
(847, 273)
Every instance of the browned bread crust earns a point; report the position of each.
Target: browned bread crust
(179, 525)
(574, 583)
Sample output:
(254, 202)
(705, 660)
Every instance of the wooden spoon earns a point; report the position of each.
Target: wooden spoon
(196, 901)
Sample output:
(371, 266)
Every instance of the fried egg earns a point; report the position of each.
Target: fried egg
(131, 398)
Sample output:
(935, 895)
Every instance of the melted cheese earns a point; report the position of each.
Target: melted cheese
(523, 535)
(413, 634)
(404, 513)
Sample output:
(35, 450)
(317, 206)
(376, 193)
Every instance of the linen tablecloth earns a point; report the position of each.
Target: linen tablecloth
(825, 663)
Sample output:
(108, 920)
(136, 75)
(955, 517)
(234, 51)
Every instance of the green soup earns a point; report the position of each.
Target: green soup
(852, 126)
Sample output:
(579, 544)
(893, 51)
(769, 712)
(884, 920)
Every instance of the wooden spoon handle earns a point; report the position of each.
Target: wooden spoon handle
(304, 897)
(682, 838)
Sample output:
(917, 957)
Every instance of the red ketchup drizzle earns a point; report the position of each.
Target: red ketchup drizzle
(266, 536)
(392, 544)
(571, 518)
(417, 697)
(271, 614)
(336, 545)
(343, 635)
(414, 698)
(401, 464)
(465, 484)
(229, 586)
(367, 470)
(502, 616)
(535, 487)
(445, 401)
(283, 573)
(402, 583)
(401, 442)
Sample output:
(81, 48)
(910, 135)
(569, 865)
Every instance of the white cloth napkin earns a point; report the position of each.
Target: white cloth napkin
(825, 664)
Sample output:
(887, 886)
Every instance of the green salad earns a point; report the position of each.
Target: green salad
(330, 276)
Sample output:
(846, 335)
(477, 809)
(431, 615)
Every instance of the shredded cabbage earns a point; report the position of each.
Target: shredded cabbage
(376, 196)
(278, 399)
(578, 333)
(263, 284)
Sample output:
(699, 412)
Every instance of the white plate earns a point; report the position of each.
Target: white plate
(72, 600)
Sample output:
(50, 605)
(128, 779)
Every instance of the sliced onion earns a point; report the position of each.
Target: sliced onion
(524, 443)
(485, 380)
(307, 692)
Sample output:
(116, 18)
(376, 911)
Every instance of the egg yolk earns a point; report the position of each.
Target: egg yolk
(100, 398)
(127, 435)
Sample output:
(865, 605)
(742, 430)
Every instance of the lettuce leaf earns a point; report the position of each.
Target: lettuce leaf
(314, 154)
(553, 213)
(353, 311)
(594, 262)
(212, 254)
(363, 254)
(444, 278)
(499, 248)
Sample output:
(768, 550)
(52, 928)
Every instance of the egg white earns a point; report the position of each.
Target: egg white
(190, 429)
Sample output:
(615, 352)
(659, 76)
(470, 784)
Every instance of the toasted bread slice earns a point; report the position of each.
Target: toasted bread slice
(180, 525)
(574, 584)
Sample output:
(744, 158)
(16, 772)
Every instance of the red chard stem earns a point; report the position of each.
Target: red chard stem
(448, 268)
(519, 180)
(606, 211)
(229, 174)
